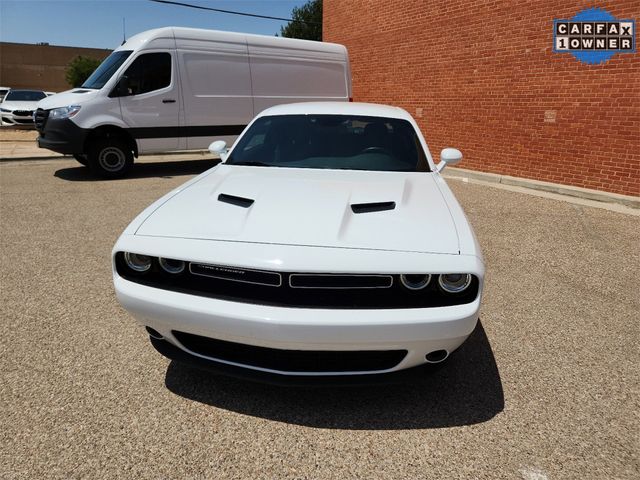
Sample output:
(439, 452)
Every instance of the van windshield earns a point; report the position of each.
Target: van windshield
(106, 69)
(350, 142)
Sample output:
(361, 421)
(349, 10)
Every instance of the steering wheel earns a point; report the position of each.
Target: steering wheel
(376, 150)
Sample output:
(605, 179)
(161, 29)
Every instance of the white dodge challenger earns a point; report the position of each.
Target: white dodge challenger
(326, 243)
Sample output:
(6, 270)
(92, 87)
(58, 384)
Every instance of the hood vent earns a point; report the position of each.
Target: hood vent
(372, 207)
(237, 201)
(81, 91)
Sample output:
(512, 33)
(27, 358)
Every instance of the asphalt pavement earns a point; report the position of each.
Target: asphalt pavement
(546, 388)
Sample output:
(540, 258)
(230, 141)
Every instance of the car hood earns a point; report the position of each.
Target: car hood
(293, 206)
(18, 105)
(75, 96)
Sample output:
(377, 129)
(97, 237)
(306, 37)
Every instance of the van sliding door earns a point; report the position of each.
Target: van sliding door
(217, 90)
(284, 73)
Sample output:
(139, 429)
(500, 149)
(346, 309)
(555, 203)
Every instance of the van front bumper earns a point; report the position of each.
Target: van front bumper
(62, 136)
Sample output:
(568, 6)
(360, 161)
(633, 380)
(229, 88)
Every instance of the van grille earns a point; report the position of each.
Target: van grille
(40, 119)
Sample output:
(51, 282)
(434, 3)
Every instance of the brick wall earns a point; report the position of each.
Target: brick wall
(481, 76)
(41, 67)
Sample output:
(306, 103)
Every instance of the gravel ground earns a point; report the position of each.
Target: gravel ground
(546, 388)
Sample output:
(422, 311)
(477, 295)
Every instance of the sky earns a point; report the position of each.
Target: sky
(98, 23)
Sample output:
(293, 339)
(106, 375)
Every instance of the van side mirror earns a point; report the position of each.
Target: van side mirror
(448, 156)
(219, 147)
(122, 88)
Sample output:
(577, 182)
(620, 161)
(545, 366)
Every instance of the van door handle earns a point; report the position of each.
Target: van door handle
(168, 100)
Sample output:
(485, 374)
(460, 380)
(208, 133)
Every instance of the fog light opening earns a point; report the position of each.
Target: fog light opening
(154, 333)
(436, 356)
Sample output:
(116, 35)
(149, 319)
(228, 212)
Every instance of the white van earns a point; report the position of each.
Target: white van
(179, 88)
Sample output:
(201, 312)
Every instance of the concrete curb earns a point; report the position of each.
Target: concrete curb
(585, 193)
(200, 153)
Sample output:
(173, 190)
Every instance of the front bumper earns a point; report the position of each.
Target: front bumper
(419, 331)
(62, 136)
(10, 119)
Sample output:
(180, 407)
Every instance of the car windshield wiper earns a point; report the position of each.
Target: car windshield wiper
(251, 164)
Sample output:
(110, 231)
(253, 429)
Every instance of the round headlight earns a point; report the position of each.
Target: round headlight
(454, 282)
(137, 262)
(171, 266)
(415, 282)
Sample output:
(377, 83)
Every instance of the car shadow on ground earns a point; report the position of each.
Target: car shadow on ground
(465, 391)
(142, 170)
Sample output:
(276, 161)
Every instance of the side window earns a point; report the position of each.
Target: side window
(149, 72)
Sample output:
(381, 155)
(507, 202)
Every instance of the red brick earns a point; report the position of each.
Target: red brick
(484, 74)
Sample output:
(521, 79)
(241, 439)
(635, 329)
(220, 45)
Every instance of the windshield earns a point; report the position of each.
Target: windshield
(24, 95)
(331, 141)
(106, 69)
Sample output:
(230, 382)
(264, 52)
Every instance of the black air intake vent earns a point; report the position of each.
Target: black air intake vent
(372, 207)
(237, 201)
(40, 118)
(292, 360)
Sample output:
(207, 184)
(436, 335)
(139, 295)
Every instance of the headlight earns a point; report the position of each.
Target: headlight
(454, 282)
(137, 262)
(64, 112)
(171, 266)
(5, 110)
(415, 282)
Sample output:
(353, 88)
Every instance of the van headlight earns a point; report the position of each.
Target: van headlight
(64, 112)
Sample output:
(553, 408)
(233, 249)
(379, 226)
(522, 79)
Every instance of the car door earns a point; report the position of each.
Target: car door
(151, 104)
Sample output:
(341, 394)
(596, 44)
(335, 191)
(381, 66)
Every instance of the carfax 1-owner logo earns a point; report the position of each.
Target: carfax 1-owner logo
(594, 36)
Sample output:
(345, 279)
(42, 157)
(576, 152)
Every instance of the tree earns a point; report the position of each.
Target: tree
(79, 70)
(309, 12)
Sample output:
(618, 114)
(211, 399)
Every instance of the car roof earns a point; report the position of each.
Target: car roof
(338, 108)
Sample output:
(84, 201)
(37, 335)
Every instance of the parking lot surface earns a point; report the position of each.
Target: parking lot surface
(546, 388)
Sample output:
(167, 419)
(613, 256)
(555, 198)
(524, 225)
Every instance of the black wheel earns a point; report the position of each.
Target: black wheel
(81, 158)
(110, 157)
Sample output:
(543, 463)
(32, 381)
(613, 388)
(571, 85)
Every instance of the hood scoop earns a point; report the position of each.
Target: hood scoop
(81, 91)
(372, 207)
(237, 201)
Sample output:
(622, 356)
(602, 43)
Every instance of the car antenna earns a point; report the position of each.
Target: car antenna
(124, 35)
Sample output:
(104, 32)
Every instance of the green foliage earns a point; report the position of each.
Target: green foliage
(79, 70)
(309, 12)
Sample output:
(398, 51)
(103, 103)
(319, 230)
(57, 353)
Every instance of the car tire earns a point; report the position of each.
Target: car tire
(110, 158)
(82, 159)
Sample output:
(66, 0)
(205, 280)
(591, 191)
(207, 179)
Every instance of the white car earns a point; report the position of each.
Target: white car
(18, 106)
(3, 92)
(326, 243)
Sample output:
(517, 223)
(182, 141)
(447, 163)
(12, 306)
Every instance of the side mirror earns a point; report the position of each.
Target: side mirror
(122, 88)
(219, 147)
(448, 156)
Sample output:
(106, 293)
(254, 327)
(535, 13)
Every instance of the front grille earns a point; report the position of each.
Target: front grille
(40, 118)
(298, 289)
(23, 113)
(23, 121)
(292, 360)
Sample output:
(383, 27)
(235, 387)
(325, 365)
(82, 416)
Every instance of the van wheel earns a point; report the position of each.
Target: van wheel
(110, 158)
(82, 159)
